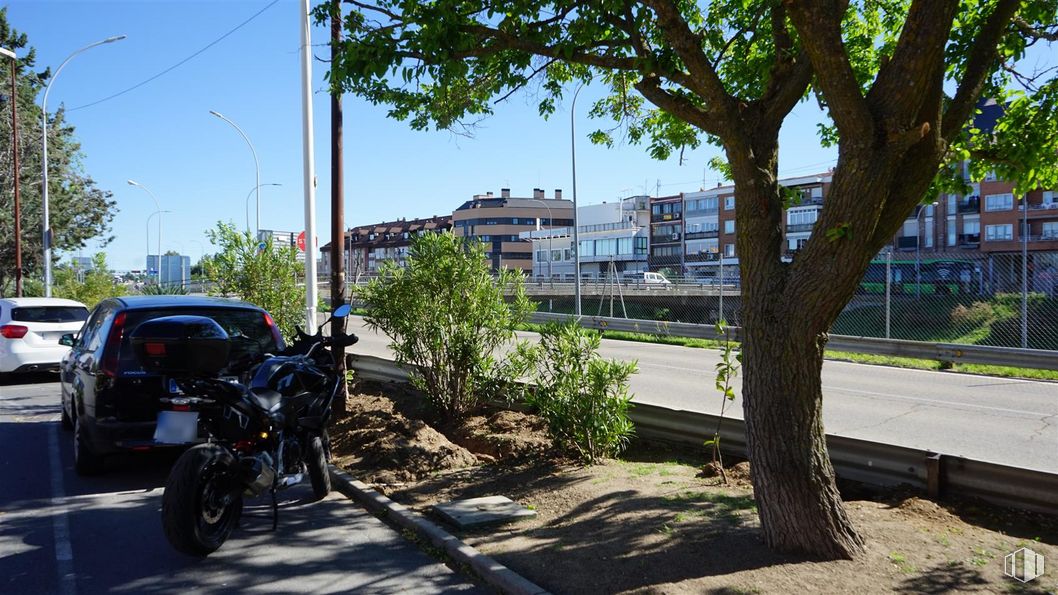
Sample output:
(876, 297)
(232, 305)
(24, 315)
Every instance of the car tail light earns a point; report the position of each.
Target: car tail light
(112, 350)
(275, 330)
(16, 331)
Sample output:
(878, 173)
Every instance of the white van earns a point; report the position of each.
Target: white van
(646, 278)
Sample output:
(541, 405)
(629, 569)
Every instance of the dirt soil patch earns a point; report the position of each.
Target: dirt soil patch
(651, 523)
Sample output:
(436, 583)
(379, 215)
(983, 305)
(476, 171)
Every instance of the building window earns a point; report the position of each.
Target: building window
(729, 250)
(729, 203)
(1049, 231)
(999, 202)
(928, 232)
(971, 227)
(729, 226)
(951, 231)
(999, 233)
(952, 202)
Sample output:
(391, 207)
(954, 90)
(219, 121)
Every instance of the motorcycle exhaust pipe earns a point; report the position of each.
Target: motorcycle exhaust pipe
(257, 475)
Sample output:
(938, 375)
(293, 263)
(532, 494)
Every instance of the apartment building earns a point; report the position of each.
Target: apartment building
(367, 247)
(693, 232)
(613, 239)
(666, 233)
(498, 221)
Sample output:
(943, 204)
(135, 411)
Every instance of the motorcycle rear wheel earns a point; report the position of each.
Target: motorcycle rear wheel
(198, 510)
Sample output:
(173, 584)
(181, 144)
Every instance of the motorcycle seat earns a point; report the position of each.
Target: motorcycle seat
(266, 398)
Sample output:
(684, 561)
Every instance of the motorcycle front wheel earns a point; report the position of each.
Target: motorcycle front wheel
(200, 506)
(316, 461)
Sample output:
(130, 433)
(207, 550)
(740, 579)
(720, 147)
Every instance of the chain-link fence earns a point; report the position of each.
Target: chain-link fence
(986, 299)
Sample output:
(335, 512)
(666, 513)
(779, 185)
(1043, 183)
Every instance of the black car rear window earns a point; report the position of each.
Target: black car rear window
(49, 314)
(247, 329)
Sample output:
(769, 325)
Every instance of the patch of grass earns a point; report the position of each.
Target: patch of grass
(981, 556)
(944, 540)
(721, 499)
(860, 358)
(900, 561)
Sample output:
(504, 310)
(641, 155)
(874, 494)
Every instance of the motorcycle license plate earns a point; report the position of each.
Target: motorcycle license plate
(176, 427)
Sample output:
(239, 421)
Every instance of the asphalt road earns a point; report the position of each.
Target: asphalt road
(1002, 420)
(60, 533)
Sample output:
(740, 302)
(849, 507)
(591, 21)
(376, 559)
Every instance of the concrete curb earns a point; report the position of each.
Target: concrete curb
(493, 573)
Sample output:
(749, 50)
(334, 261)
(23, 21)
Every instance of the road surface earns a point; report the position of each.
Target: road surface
(60, 533)
(1002, 420)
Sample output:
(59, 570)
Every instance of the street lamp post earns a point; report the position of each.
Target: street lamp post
(918, 250)
(44, 159)
(148, 230)
(576, 236)
(256, 164)
(550, 235)
(15, 170)
(247, 209)
(158, 206)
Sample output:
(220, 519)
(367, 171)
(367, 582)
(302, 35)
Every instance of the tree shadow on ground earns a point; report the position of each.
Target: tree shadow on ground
(944, 578)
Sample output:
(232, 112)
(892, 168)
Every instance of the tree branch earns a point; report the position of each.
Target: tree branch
(983, 55)
(678, 106)
(689, 48)
(790, 75)
(819, 24)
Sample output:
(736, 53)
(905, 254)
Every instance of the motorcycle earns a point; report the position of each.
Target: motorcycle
(261, 436)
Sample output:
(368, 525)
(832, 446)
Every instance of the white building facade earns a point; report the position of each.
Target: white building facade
(613, 240)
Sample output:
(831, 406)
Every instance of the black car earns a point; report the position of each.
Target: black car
(109, 401)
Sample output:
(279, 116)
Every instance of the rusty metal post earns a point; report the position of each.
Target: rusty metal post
(338, 296)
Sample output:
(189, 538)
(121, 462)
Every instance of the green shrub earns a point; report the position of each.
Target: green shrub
(447, 316)
(583, 397)
(979, 313)
(89, 286)
(156, 289)
(266, 278)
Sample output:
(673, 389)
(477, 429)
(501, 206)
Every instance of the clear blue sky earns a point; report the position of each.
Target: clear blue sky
(162, 135)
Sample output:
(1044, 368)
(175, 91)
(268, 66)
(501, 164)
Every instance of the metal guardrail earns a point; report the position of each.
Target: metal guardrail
(946, 352)
(873, 463)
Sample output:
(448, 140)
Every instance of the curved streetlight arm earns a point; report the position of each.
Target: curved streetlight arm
(256, 163)
(46, 231)
(247, 201)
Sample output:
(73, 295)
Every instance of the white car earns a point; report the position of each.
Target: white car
(30, 329)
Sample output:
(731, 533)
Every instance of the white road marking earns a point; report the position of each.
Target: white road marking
(936, 402)
(59, 522)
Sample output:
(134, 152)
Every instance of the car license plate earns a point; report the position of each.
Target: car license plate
(176, 427)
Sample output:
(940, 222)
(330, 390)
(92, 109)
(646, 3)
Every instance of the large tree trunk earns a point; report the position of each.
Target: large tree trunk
(800, 509)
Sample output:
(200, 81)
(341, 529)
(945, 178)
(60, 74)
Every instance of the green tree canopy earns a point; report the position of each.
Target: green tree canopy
(899, 79)
(79, 211)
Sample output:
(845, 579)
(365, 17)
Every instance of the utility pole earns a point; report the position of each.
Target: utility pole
(309, 167)
(15, 172)
(337, 216)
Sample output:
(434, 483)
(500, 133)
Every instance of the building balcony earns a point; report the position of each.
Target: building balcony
(703, 257)
(971, 205)
(662, 217)
(664, 260)
(1048, 236)
(907, 243)
(969, 239)
(672, 238)
(1043, 211)
(702, 235)
(800, 227)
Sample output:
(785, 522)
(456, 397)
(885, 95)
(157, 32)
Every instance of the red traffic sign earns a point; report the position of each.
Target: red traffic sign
(301, 241)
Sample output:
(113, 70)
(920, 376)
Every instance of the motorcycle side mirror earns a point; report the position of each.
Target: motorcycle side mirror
(341, 311)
